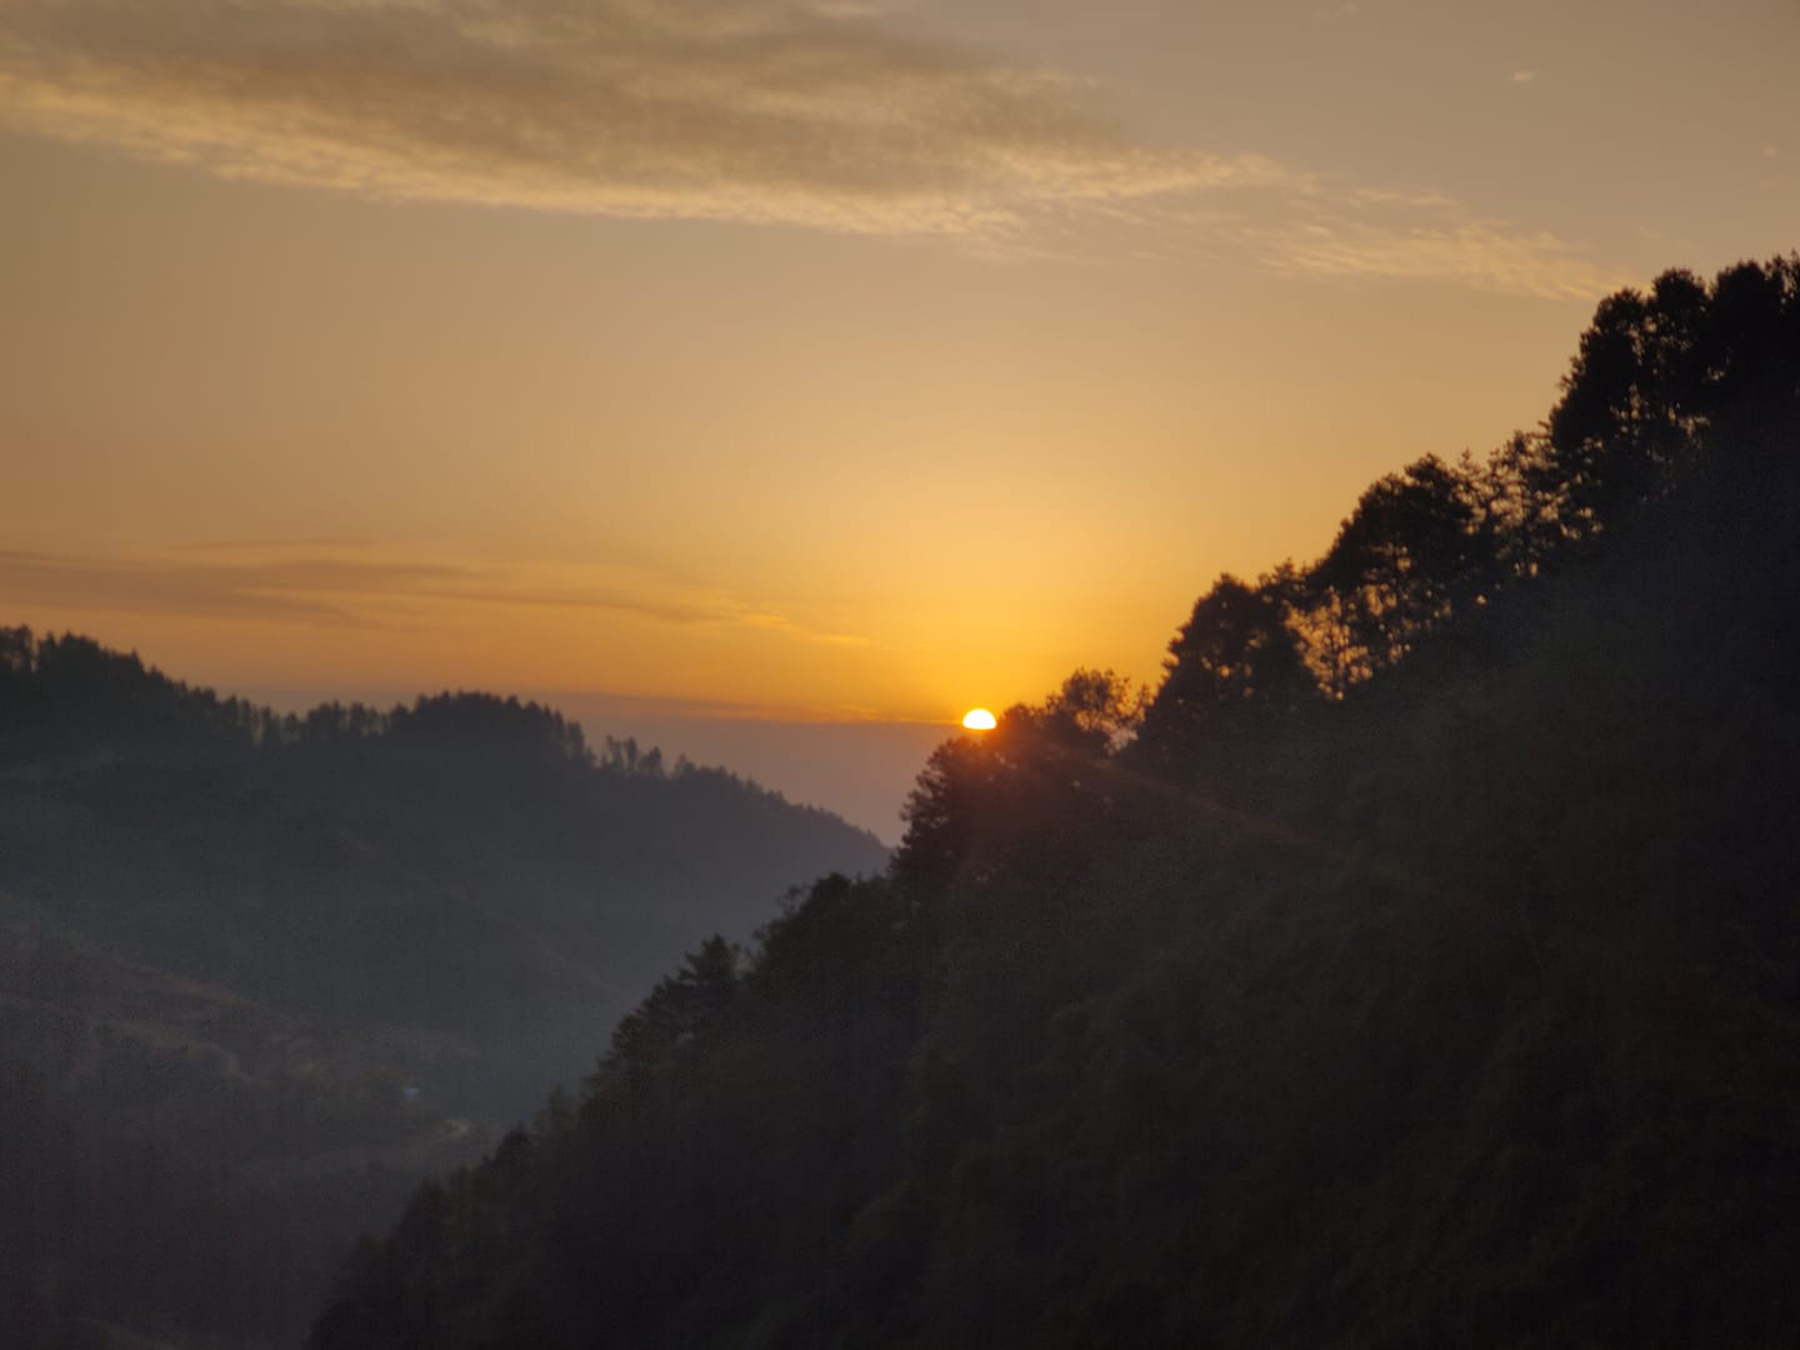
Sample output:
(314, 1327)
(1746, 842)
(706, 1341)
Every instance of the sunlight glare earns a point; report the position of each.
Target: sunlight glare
(979, 719)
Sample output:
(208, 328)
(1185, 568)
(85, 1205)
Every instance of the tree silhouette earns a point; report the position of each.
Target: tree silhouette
(662, 1031)
(1235, 662)
(1413, 551)
(1029, 768)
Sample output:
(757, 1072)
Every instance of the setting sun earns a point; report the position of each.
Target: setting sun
(979, 719)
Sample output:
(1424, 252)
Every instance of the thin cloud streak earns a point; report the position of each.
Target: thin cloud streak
(170, 588)
(358, 592)
(1478, 255)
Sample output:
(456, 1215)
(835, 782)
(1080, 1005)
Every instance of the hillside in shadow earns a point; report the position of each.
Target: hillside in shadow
(1416, 965)
(260, 974)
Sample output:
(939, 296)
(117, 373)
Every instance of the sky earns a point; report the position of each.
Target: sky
(804, 363)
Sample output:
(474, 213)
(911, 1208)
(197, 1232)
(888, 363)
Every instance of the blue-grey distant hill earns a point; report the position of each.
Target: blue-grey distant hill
(466, 866)
(259, 973)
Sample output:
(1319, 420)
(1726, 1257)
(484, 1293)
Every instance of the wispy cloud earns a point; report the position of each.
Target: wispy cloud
(818, 113)
(1397, 235)
(769, 110)
(313, 591)
(1484, 256)
(289, 584)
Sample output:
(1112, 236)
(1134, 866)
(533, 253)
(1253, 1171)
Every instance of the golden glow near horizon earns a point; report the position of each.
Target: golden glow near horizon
(485, 380)
(979, 719)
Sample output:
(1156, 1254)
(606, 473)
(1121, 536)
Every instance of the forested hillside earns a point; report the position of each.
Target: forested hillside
(1417, 965)
(260, 974)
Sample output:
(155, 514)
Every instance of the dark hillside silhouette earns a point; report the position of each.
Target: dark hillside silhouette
(1418, 967)
(465, 864)
(259, 973)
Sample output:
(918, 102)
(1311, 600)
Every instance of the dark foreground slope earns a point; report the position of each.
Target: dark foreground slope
(258, 976)
(1424, 972)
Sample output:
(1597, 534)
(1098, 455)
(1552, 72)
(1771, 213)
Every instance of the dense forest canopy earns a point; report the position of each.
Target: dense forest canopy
(1416, 965)
(260, 973)
(481, 811)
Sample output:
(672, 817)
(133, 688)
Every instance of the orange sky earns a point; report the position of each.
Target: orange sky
(847, 360)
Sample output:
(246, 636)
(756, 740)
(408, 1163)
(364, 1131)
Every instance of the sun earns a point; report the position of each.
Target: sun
(979, 719)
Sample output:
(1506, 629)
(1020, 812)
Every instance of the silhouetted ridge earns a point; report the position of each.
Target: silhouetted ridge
(68, 694)
(1671, 387)
(1418, 968)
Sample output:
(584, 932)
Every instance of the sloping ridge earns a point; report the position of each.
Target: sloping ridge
(1427, 971)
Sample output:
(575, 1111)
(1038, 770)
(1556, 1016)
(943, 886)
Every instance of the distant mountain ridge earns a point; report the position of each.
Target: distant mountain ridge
(457, 896)
(461, 804)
